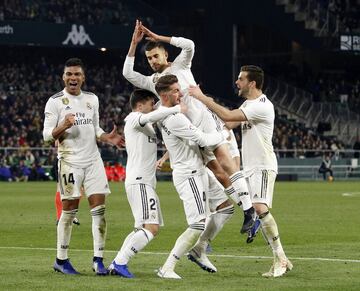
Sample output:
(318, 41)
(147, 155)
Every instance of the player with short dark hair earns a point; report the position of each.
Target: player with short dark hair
(72, 118)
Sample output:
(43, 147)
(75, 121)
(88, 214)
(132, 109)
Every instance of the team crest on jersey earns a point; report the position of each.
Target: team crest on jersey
(65, 101)
(88, 105)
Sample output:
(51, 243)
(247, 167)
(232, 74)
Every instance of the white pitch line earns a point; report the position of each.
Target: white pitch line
(218, 255)
(350, 194)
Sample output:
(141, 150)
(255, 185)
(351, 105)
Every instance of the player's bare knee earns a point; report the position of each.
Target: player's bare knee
(260, 208)
(70, 204)
(96, 200)
(225, 204)
(153, 228)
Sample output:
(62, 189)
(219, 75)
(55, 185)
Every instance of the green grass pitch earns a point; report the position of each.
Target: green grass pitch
(319, 228)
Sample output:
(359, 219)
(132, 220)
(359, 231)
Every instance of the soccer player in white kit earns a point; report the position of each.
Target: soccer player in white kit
(256, 117)
(232, 179)
(140, 182)
(182, 140)
(72, 118)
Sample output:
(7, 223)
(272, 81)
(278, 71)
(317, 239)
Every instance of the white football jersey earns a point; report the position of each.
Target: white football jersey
(78, 145)
(181, 68)
(141, 148)
(257, 149)
(182, 139)
(141, 145)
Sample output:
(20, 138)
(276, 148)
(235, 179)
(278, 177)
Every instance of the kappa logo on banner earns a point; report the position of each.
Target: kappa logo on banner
(77, 36)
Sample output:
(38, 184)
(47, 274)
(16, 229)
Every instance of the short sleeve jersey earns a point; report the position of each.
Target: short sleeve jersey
(257, 132)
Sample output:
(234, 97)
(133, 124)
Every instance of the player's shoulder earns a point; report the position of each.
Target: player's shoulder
(88, 93)
(263, 99)
(175, 119)
(132, 115)
(57, 95)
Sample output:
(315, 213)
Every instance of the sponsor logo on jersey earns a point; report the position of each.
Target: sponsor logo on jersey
(65, 101)
(67, 107)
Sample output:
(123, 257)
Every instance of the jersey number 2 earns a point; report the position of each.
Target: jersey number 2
(152, 204)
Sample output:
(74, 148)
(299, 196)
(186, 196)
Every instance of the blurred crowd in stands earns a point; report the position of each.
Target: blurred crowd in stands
(337, 86)
(345, 12)
(59, 11)
(295, 141)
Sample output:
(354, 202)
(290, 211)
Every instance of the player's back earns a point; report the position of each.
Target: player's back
(141, 148)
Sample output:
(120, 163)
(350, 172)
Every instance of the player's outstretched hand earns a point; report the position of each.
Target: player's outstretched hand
(195, 91)
(151, 36)
(113, 138)
(138, 33)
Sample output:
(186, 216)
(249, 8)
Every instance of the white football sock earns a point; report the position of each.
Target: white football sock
(214, 224)
(98, 229)
(64, 228)
(238, 181)
(135, 244)
(271, 232)
(127, 239)
(183, 244)
(230, 191)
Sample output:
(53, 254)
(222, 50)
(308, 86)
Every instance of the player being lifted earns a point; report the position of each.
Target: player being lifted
(232, 179)
(256, 117)
(140, 182)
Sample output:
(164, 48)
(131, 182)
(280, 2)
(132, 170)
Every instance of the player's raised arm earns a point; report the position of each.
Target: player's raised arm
(187, 46)
(180, 126)
(137, 37)
(151, 36)
(159, 114)
(224, 113)
(135, 78)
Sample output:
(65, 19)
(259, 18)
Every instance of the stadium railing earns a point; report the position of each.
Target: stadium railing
(299, 104)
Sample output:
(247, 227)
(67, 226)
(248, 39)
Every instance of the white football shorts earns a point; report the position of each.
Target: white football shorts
(93, 178)
(145, 205)
(261, 186)
(193, 193)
